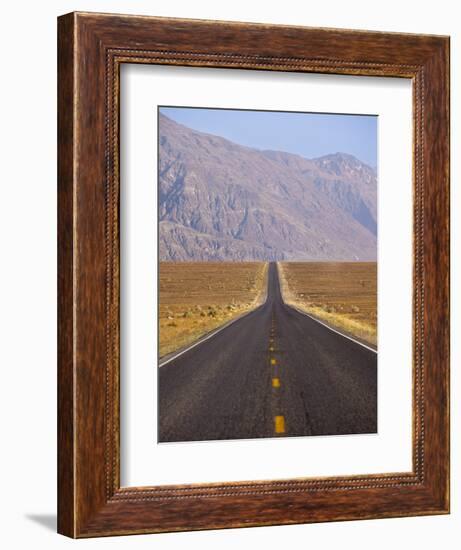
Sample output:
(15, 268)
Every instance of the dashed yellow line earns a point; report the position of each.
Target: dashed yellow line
(279, 420)
(279, 424)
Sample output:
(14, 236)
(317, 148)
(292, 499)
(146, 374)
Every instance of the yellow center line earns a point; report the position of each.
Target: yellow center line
(276, 382)
(279, 424)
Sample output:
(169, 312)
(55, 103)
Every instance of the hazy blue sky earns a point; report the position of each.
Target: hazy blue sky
(307, 134)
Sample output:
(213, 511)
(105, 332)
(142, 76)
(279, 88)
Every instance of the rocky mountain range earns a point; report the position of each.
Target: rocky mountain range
(222, 201)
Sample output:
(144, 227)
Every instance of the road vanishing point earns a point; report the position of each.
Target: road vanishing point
(274, 372)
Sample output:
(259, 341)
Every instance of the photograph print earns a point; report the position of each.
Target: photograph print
(267, 286)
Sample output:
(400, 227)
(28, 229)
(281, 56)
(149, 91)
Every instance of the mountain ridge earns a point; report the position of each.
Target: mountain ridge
(219, 200)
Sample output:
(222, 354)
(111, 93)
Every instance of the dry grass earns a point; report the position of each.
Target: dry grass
(197, 297)
(343, 294)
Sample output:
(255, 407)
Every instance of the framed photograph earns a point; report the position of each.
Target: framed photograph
(253, 275)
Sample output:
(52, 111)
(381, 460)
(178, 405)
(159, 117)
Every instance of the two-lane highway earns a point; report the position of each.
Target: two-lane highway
(273, 372)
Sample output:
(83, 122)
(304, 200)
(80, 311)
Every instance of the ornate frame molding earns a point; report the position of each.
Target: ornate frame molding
(91, 49)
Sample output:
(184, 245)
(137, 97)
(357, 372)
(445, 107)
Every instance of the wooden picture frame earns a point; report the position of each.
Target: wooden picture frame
(92, 48)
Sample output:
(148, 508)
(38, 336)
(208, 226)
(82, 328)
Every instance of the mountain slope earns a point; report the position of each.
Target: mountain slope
(223, 201)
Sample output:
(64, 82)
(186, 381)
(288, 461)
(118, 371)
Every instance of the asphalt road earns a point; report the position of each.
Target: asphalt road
(272, 373)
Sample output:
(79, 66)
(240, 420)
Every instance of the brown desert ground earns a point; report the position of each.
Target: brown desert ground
(343, 294)
(197, 297)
